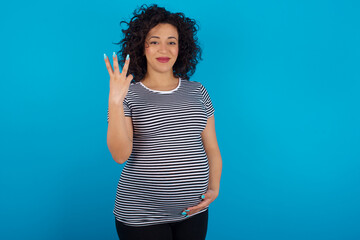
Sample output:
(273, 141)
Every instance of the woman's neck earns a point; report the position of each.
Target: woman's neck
(160, 81)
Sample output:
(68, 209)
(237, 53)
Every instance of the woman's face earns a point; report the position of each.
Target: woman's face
(162, 48)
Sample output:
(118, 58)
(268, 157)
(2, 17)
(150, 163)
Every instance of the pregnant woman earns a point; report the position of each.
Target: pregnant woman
(162, 126)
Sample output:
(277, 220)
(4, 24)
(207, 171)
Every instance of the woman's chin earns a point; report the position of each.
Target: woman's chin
(163, 70)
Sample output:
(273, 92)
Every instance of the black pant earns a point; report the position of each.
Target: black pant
(192, 228)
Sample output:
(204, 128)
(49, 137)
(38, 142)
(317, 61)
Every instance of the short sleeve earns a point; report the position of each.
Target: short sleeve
(127, 110)
(207, 102)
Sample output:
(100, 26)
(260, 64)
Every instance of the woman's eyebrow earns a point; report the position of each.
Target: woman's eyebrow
(159, 37)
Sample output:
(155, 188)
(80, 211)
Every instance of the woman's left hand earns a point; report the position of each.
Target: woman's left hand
(210, 196)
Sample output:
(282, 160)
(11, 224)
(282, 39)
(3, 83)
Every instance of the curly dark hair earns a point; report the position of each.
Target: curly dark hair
(133, 43)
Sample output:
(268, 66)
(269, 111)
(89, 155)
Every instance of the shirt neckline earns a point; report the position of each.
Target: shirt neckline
(158, 91)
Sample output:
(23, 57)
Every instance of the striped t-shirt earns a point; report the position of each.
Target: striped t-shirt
(168, 169)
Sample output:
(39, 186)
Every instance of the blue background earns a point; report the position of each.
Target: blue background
(283, 77)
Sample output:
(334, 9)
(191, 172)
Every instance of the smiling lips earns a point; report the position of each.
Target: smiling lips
(163, 59)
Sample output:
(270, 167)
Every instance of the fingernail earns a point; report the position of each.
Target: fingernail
(184, 213)
(187, 210)
(105, 56)
(187, 216)
(127, 57)
(203, 196)
(114, 55)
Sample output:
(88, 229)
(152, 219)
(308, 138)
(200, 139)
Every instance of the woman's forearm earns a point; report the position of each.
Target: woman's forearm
(118, 140)
(215, 164)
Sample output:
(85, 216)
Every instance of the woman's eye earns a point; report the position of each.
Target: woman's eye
(171, 43)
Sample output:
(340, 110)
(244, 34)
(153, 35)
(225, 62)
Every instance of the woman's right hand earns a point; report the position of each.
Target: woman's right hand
(119, 82)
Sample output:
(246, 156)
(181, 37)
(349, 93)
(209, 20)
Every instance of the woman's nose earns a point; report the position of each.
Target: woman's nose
(162, 47)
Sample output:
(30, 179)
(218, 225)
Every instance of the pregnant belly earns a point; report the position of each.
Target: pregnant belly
(169, 192)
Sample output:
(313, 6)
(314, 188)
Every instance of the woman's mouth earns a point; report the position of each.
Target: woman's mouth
(163, 59)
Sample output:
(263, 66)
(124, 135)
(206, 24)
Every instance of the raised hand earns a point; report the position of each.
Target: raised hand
(119, 82)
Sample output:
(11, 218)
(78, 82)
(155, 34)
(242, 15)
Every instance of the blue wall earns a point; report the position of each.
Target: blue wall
(284, 79)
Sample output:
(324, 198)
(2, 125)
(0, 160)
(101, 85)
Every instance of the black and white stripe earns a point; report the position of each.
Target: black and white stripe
(168, 169)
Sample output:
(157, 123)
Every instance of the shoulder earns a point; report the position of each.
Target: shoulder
(133, 89)
(134, 86)
(197, 87)
(192, 84)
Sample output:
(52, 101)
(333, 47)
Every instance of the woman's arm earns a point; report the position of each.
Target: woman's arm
(120, 133)
(213, 153)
